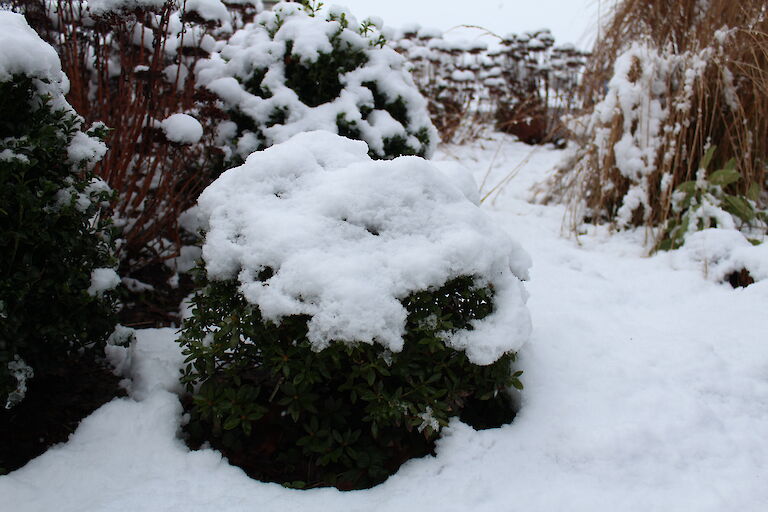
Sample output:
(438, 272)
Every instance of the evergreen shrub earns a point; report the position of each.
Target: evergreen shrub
(348, 309)
(293, 71)
(55, 242)
(347, 415)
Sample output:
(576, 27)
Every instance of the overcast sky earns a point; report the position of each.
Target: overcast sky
(571, 21)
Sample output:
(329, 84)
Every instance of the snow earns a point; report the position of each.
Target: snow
(187, 258)
(182, 129)
(646, 388)
(8, 155)
(22, 372)
(103, 280)
(720, 252)
(85, 149)
(262, 47)
(347, 237)
(22, 52)
(208, 9)
(102, 7)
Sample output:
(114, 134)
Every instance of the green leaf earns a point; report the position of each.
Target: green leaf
(724, 177)
(707, 158)
(687, 187)
(753, 194)
(232, 422)
(739, 207)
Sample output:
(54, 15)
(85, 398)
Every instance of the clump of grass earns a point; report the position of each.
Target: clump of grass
(665, 82)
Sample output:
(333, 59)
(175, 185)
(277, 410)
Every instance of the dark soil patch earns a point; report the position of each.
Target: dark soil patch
(494, 413)
(158, 307)
(54, 405)
(740, 279)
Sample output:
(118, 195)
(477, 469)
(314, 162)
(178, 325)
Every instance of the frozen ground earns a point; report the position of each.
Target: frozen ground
(646, 390)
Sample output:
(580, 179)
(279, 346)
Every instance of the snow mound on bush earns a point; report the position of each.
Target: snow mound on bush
(23, 52)
(100, 7)
(254, 74)
(721, 252)
(182, 129)
(347, 236)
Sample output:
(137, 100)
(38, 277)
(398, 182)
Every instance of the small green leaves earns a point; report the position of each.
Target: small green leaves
(516, 383)
(753, 194)
(312, 6)
(346, 414)
(687, 187)
(707, 158)
(691, 197)
(724, 177)
(53, 234)
(739, 207)
(232, 422)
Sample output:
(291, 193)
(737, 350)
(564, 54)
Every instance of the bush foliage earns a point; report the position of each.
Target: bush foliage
(51, 239)
(129, 65)
(294, 72)
(347, 415)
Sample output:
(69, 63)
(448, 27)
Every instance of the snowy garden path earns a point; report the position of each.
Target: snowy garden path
(646, 389)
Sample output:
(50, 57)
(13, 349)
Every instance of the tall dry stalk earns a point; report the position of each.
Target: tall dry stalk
(666, 81)
(130, 70)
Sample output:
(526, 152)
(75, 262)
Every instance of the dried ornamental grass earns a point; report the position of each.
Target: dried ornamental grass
(665, 83)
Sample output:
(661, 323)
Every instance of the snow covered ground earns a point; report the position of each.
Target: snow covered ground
(646, 389)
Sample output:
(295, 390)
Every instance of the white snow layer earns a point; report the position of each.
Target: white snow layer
(103, 280)
(721, 252)
(23, 52)
(347, 236)
(264, 46)
(101, 7)
(646, 388)
(182, 129)
(85, 149)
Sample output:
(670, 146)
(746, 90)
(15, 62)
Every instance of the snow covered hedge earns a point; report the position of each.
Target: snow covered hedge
(291, 71)
(351, 307)
(55, 248)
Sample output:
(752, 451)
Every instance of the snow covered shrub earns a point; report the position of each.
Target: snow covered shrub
(131, 65)
(667, 81)
(704, 204)
(349, 308)
(55, 246)
(291, 71)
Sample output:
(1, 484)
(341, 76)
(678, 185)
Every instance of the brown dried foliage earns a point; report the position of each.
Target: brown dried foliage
(734, 38)
(129, 87)
(522, 87)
